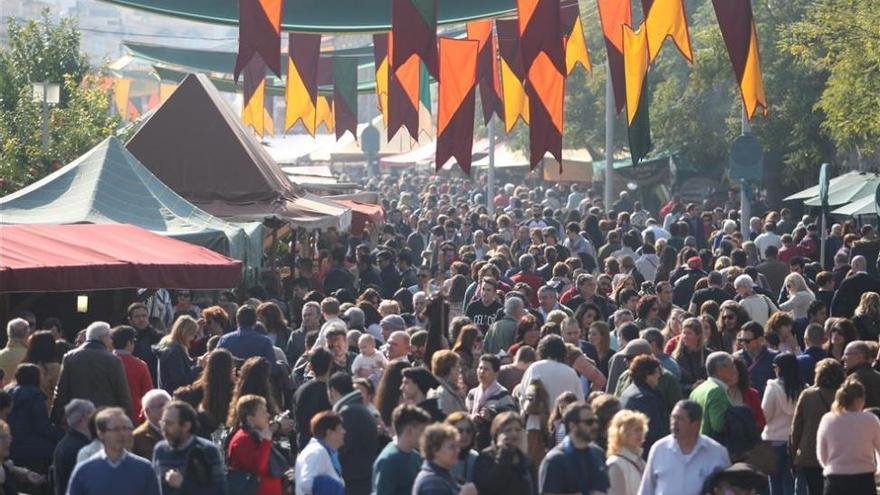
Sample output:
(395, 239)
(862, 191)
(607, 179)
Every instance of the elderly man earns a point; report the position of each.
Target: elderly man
(420, 302)
(398, 346)
(548, 300)
(585, 291)
(92, 372)
(857, 362)
(711, 395)
(148, 433)
(851, 289)
(77, 414)
(311, 320)
(679, 463)
(12, 355)
(528, 276)
(502, 333)
(114, 466)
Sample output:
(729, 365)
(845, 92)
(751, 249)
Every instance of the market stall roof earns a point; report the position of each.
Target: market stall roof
(866, 205)
(316, 177)
(577, 166)
(505, 157)
(841, 181)
(363, 212)
(845, 193)
(196, 145)
(108, 185)
(321, 16)
(92, 257)
(425, 155)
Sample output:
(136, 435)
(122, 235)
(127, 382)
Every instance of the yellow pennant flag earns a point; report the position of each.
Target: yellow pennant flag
(324, 113)
(121, 89)
(635, 60)
(165, 91)
(666, 18)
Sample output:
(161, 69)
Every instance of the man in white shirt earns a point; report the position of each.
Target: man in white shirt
(680, 463)
(556, 376)
(659, 232)
(768, 238)
(330, 313)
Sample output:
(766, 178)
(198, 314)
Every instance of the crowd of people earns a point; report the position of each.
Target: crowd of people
(556, 346)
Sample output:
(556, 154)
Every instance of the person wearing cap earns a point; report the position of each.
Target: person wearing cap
(641, 395)
(417, 382)
(683, 289)
(388, 274)
(667, 388)
(391, 324)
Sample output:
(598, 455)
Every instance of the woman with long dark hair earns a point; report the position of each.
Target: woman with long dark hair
(599, 335)
(469, 347)
(437, 315)
(212, 392)
(780, 398)
(667, 263)
(463, 471)
(41, 351)
(254, 378)
(273, 320)
(841, 331)
(388, 391)
(743, 394)
(528, 332)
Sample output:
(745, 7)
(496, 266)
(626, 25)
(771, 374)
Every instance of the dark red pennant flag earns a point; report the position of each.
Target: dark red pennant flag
(487, 67)
(414, 29)
(403, 97)
(259, 32)
(513, 75)
(254, 89)
(741, 38)
(456, 101)
(540, 30)
(614, 14)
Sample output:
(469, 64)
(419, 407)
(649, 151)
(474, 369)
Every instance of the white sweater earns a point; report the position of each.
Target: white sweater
(313, 461)
(778, 411)
(798, 303)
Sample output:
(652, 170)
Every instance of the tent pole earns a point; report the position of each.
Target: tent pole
(745, 206)
(609, 138)
(490, 186)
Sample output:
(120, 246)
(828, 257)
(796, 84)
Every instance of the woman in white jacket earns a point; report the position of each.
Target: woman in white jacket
(318, 469)
(758, 306)
(780, 398)
(799, 296)
(626, 433)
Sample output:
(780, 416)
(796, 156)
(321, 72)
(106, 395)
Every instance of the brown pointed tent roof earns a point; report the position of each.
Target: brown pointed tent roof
(197, 146)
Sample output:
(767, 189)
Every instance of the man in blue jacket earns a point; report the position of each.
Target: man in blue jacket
(185, 463)
(757, 356)
(246, 342)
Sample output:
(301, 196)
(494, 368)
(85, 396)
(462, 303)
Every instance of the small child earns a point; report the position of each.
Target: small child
(369, 361)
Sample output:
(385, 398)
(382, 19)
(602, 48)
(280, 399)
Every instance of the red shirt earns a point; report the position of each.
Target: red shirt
(139, 382)
(245, 454)
(534, 281)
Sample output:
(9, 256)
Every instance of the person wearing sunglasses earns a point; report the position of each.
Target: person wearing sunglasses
(575, 465)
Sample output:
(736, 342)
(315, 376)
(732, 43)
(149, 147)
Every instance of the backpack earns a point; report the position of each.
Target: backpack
(740, 432)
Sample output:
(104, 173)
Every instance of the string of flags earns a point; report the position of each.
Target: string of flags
(520, 66)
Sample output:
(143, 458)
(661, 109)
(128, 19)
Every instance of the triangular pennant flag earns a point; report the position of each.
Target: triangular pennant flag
(487, 67)
(254, 89)
(667, 19)
(404, 98)
(345, 108)
(540, 31)
(165, 90)
(381, 63)
(121, 89)
(426, 121)
(456, 101)
(301, 95)
(741, 38)
(635, 54)
(414, 28)
(513, 76)
(573, 32)
(268, 117)
(259, 32)
(324, 113)
(614, 14)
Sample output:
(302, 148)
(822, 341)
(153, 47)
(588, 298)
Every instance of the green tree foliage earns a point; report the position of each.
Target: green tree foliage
(38, 51)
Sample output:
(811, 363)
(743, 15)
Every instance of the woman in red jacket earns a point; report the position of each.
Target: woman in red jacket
(250, 447)
(744, 394)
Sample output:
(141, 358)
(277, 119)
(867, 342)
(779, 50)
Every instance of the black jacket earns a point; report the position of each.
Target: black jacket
(309, 400)
(504, 472)
(683, 289)
(361, 443)
(144, 349)
(176, 369)
(64, 458)
(851, 289)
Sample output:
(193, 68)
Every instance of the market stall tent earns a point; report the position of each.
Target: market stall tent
(107, 185)
(197, 145)
(38, 258)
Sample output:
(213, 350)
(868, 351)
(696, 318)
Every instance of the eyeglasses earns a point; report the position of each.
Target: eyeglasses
(743, 340)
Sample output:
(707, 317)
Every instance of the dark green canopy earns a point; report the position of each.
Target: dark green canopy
(227, 85)
(221, 61)
(323, 16)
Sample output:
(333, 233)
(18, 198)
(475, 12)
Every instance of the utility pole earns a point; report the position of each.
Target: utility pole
(609, 138)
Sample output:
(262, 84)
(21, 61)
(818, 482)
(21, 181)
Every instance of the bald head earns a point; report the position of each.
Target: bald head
(859, 264)
(398, 345)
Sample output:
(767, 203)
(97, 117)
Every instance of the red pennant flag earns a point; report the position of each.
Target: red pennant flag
(456, 101)
(301, 96)
(414, 29)
(738, 30)
(403, 95)
(544, 62)
(487, 67)
(254, 93)
(513, 74)
(614, 14)
(259, 32)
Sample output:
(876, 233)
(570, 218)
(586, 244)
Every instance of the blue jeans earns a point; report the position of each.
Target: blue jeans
(781, 481)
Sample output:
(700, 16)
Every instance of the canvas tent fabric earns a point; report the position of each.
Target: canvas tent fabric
(363, 212)
(321, 16)
(107, 185)
(196, 145)
(866, 205)
(92, 257)
(842, 194)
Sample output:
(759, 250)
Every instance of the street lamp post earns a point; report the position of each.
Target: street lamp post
(46, 93)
